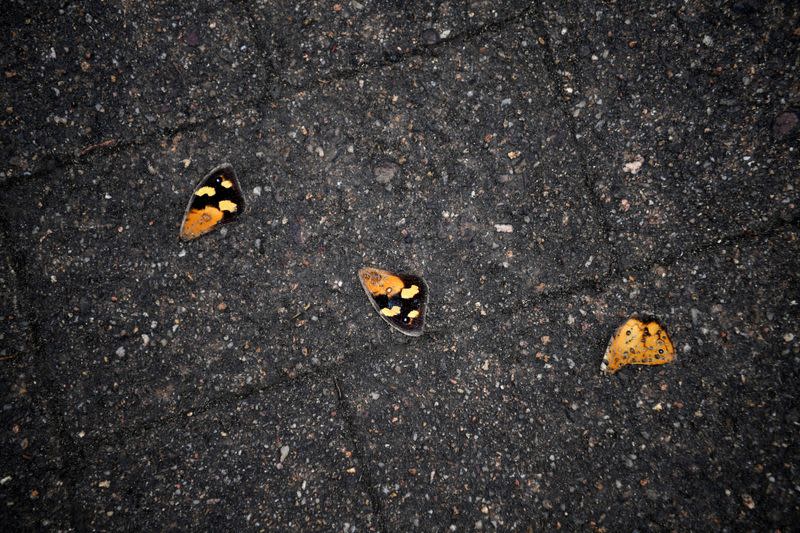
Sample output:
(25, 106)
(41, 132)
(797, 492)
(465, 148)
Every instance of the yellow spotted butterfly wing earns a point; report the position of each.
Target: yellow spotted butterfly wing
(638, 342)
(217, 199)
(399, 299)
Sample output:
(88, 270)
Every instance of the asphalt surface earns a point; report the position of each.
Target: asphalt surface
(645, 155)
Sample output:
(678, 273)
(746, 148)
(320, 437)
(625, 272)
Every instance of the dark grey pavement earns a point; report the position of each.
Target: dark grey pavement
(645, 155)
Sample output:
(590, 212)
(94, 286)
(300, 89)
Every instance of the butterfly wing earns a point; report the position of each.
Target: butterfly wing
(399, 299)
(657, 346)
(637, 343)
(217, 199)
(617, 352)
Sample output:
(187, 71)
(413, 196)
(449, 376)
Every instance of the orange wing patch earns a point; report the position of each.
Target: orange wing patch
(200, 221)
(378, 282)
(638, 343)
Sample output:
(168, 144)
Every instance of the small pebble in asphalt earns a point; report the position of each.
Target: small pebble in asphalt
(786, 123)
(430, 37)
(384, 172)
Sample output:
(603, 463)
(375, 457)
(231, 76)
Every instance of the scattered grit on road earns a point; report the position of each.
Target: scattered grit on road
(549, 170)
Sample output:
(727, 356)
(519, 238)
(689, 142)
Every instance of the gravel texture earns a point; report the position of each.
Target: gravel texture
(549, 171)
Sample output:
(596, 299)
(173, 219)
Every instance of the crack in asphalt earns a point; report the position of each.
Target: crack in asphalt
(589, 185)
(64, 160)
(357, 440)
(73, 459)
(390, 60)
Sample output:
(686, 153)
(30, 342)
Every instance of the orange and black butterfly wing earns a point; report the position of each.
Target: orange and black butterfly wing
(216, 200)
(639, 341)
(400, 299)
(657, 346)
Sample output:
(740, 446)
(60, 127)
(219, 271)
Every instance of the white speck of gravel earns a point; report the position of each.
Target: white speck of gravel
(588, 263)
(504, 228)
(182, 253)
(5, 480)
(257, 191)
(789, 337)
(505, 102)
(708, 40)
(374, 395)
(284, 453)
(145, 339)
(634, 166)
(445, 34)
(120, 352)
